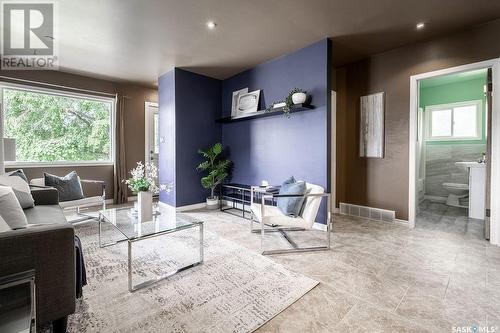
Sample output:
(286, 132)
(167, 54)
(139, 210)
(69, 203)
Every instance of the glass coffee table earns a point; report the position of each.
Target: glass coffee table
(166, 222)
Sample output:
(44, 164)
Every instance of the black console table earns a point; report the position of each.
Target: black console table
(237, 197)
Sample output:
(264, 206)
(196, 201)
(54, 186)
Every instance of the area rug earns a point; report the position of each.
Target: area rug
(234, 290)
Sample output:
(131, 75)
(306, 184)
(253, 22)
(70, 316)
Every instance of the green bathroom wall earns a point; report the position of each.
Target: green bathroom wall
(452, 90)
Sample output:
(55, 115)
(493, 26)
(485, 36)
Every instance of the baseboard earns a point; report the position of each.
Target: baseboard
(191, 207)
(401, 222)
(319, 226)
(184, 208)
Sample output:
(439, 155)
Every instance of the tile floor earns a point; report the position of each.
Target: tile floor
(380, 277)
(439, 216)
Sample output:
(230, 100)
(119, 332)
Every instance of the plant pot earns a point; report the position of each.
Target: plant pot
(213, 203)
(299, 98)
(145, 206)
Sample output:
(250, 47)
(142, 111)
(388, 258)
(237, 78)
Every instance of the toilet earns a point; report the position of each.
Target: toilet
(456, 192)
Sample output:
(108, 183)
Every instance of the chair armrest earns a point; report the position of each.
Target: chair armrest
(50, 250)
(297, 195)
(44, 195)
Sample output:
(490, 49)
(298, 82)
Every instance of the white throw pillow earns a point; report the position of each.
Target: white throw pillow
(10, 209)
(3, 225)
(21, 189)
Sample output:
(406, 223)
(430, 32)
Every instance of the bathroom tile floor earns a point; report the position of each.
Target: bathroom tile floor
(441, 217)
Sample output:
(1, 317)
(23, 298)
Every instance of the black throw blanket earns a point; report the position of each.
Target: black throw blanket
(81, 274)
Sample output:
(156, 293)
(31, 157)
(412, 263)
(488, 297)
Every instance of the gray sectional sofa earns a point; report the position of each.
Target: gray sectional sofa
(48, 246)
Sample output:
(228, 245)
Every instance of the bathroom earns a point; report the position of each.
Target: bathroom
(451, 153)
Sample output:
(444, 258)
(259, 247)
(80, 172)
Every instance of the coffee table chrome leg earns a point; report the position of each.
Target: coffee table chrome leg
(130, 287)
(201, 242)
(100, 221)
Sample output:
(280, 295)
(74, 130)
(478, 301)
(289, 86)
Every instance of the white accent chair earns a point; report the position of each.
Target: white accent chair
(275, 221)
(85, 202)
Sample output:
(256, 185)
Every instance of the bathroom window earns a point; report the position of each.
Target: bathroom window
(457, 121)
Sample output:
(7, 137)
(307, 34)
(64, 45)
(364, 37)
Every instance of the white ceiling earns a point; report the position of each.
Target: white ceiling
(139, 40)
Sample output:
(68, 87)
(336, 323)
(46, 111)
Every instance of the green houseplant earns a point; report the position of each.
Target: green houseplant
(216, 169)
(295, 96)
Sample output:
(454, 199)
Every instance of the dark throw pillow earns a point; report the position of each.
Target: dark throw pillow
(69, 186)
(18, 173)
(291, 206)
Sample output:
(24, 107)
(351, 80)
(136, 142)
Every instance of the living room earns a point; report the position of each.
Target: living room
(208, 175)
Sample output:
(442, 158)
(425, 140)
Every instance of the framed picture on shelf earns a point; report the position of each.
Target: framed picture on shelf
(248, 103)
(234, 104)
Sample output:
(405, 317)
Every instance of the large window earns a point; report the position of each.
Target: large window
(458, 121)
(56, 128)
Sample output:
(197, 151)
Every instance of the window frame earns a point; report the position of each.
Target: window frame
(62, 93)
(451, 106)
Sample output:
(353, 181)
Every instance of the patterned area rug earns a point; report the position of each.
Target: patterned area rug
(234, 290)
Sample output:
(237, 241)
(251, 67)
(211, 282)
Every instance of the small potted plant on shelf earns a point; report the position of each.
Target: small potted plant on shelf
(298, 96)
(143, 183)
(216, 170)
(295, 96)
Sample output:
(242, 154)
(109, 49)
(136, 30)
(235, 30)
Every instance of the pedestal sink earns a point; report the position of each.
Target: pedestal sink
(477, 188)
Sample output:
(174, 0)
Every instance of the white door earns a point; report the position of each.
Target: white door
(152, 138)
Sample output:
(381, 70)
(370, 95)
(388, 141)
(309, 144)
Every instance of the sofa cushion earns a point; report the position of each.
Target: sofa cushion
(291, 206)
(46, 214)
(10, 209)
(69, 186)
(275, 217)
(20, 187)
(3, 225)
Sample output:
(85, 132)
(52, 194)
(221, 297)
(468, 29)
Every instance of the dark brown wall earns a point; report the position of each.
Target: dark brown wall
(383, 183)
(136, 95)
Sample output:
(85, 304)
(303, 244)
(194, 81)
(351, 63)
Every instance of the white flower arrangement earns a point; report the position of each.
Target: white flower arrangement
(144, 178)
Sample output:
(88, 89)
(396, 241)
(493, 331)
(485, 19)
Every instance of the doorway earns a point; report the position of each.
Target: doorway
(152, 135)
(451, 121)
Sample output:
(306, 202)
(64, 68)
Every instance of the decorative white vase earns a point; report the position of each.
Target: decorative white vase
(212, 203)
(145, 206)
(299, 98)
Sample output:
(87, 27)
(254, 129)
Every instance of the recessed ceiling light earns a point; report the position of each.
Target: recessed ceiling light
(420, 25)
(211, 25)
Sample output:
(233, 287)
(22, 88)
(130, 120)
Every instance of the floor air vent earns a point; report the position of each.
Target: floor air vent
(368, 212)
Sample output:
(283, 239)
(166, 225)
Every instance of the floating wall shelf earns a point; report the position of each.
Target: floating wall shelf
(264, 113)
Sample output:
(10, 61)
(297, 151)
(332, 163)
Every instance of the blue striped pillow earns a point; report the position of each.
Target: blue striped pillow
(291, 206)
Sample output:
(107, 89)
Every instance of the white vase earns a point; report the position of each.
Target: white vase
(299, 98)
(145, 206)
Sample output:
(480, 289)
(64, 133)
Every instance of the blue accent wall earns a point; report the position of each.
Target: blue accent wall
(275, 148)
(189, 104)
(271, 148)
(198, 104)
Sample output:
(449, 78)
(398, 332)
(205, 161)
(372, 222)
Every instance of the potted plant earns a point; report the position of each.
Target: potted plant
(298, 96)
(295, 96)
(143, 183)
(216, 170)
